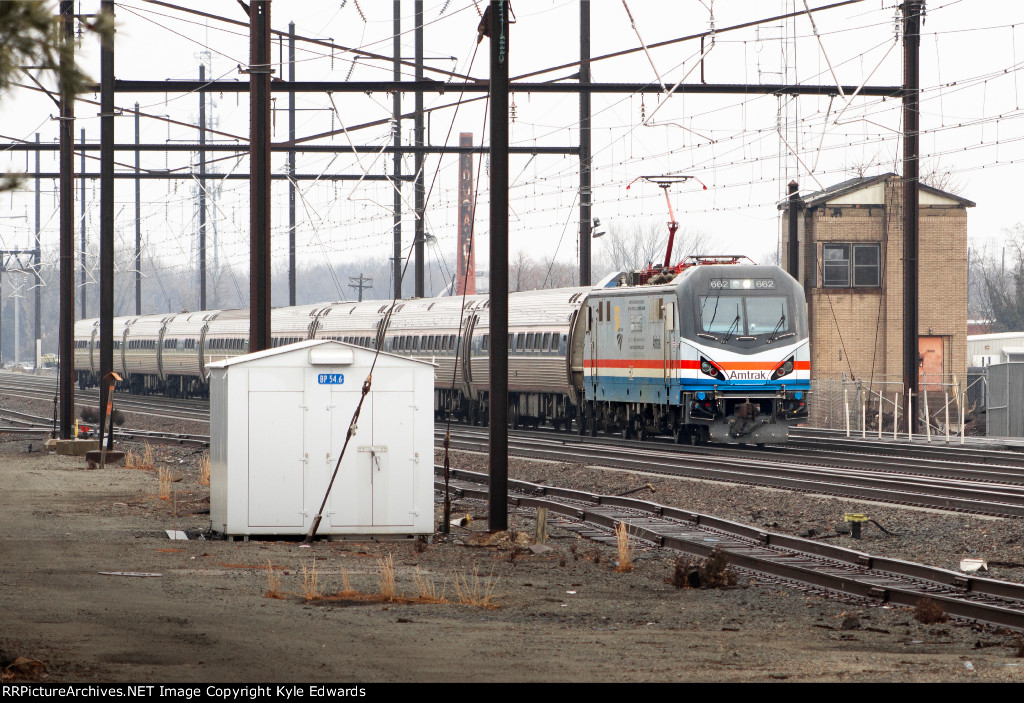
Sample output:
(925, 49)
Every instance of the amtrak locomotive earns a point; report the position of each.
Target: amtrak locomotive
(709, 350)
(712, 349)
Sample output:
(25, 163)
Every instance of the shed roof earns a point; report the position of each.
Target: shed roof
(859, 183)
(306, 344)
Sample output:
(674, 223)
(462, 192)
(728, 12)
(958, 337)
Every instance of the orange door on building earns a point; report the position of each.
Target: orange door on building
(930, 351)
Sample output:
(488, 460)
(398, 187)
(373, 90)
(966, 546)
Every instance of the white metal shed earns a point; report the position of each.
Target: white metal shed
(278, 420)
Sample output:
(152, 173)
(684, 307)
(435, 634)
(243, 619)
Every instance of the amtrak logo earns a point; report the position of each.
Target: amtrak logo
(618, 338)
(746, 376)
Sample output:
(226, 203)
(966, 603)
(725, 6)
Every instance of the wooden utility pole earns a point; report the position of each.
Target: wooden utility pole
(360, 283)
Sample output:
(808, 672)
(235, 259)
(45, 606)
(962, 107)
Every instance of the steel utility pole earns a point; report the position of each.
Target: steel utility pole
(498, 359)
(794, 244)
(912, 10)
(106, 221)
(36, 259)
(84, 273)
(585, 157)
(421, 196)
(202, 190)
(259, 182)
(396, 107)
(66, 333)
(291, 166)
(138, 221)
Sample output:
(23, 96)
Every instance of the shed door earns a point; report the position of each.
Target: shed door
(393, 471)
(351, 500)
(276, 461)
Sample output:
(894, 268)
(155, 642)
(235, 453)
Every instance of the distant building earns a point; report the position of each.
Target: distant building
(988, 349)
(851, 267)
(978, 327)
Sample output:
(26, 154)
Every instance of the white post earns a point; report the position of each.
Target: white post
(895, 416)
(879, 414)
(927, 416)
(947, 417)
(956, 394)
(846, 408)
(910, 416)
(863, 418)
(962, 403)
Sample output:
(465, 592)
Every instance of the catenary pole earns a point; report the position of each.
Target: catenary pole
(498, 356)
(912, 10)
(420, 185)
(106, 220)
(291, 166)
(585, 157)
(259, 182)
(396, 103)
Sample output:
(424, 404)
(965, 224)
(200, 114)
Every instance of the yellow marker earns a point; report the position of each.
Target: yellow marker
(855, 517)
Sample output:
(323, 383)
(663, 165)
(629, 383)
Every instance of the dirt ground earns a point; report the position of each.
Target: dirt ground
(562, 615)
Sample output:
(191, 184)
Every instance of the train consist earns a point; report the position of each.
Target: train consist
(709, 350)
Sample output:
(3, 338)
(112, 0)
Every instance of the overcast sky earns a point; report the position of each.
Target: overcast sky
(740, 146)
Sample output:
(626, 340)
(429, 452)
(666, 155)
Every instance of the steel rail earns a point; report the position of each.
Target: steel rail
(1007, 501)
(835, 569)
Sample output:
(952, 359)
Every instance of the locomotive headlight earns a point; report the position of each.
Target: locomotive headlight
(710, 368)
(746, 283)
(783, 369)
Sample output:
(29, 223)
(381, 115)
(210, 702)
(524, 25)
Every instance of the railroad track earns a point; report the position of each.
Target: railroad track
(982, 489)
(25, 423)
(42, 388)
(972, 479)
(807, 563)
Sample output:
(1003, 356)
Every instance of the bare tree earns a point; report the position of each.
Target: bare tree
(519, 271)
(627, 248)
(999, 282)
(937, 175)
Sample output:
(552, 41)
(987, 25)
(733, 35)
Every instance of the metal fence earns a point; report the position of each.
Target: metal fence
(878, 406)
(977, 388)
(1005, 409)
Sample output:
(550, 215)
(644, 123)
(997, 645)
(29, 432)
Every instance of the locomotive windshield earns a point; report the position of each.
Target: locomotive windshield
(727, 316)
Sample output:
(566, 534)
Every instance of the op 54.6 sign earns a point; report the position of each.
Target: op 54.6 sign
(330, 379)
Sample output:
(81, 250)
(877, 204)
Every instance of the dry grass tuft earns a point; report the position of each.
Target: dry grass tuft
(625, 550)
(310, 586)
(476, 591)
(386, 566)
(130, 460)
(164, 476)
(428, 589)
(273, 583)
(147, 461)
(929, 612)
(204, 470)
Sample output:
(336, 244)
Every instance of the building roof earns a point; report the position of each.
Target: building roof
(305, 344)
(859, 183)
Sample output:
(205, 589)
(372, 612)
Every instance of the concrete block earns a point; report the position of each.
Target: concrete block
(76, 447)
